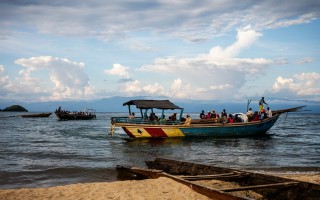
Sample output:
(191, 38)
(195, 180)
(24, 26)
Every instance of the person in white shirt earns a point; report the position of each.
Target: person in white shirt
(269, 112)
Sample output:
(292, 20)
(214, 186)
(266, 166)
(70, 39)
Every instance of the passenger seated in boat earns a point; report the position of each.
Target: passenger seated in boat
(217, 118)
(173, 117)
(202, 115)
(237, 118)
(132, 116)
(163, 120)
(224, 113)
(208, 116)
(249, 114)
(263, 114)
(188, 120)
(230, 119)
(153, 117)
(256, 116)
(213, 114)
(269, 112)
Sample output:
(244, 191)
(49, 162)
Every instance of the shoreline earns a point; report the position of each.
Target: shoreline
(161, 188)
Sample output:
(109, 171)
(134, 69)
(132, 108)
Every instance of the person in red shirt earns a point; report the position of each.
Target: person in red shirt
(230, 119)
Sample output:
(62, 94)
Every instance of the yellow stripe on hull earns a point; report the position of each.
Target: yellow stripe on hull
(173, 132)
(139, 132)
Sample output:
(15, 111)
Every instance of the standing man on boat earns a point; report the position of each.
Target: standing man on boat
(261, 102)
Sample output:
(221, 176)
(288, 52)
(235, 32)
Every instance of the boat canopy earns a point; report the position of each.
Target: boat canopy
(149, 104)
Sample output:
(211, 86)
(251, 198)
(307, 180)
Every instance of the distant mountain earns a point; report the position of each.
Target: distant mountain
(115, 104)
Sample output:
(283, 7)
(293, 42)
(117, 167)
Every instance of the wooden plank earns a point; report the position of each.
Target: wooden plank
(213, 176)
(209, 192)
(274, 185)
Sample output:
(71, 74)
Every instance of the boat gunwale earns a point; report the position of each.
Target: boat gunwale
(236, 124)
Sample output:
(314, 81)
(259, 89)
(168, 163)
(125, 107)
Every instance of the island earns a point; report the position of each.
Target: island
(15, 108)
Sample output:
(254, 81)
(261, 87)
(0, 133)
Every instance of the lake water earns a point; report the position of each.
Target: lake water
(43, 152)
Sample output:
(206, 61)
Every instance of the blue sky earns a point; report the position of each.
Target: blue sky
(70, 50)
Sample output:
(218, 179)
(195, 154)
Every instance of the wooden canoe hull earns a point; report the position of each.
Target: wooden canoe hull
(266, 186)
(36, 115)
(241, 129)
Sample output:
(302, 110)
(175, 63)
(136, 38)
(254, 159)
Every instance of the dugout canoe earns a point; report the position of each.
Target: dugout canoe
(35, 115)
(226, 183)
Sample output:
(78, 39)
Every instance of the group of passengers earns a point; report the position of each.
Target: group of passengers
(154, 118)
(73, 113)
(223, 117)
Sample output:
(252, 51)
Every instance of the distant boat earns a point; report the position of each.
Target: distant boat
(36, 115)
(78, 115)
(143, 127)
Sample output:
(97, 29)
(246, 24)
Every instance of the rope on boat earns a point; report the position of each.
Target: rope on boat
(112, 128)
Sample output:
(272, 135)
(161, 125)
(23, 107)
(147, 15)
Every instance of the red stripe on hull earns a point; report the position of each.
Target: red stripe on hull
(156, 132)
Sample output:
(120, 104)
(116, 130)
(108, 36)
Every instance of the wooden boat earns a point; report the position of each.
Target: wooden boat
(143, 127)
(87, 114)
(36, 115)
(226, 183)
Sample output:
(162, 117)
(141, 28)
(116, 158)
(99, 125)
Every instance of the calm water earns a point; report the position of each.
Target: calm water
(42, 152)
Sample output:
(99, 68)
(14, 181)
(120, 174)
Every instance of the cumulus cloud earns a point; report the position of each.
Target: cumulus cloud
(118, 70)
(131, 88)
(135, 87)
(304, 84)
(67, 77)
(155, 88)
(220, 73)
(220, 69)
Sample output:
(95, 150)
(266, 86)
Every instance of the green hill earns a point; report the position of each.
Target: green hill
(15, 108)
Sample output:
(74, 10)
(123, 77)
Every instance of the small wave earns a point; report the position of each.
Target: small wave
(55, 176)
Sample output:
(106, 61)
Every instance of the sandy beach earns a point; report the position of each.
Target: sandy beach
(161, 188)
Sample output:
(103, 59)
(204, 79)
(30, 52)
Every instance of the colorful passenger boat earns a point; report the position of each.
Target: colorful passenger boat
(143, 127)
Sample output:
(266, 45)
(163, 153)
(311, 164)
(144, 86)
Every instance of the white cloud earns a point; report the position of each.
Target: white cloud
(218, 69)
(156, 89)
(131, 88)
(191, 20)
(68, 78)
(118, 70)
(245, 38)
(304, 84)
(136, 88)
(220, 87)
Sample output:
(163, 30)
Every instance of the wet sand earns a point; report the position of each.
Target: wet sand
(161, 188)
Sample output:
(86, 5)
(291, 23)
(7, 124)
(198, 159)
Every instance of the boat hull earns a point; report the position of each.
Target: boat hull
(68, 116)
(199, 130)
(36, 115)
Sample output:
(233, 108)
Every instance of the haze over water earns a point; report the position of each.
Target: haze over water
(42, 152)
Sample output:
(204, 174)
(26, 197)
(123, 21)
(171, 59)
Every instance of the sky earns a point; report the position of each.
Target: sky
(180, 49)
